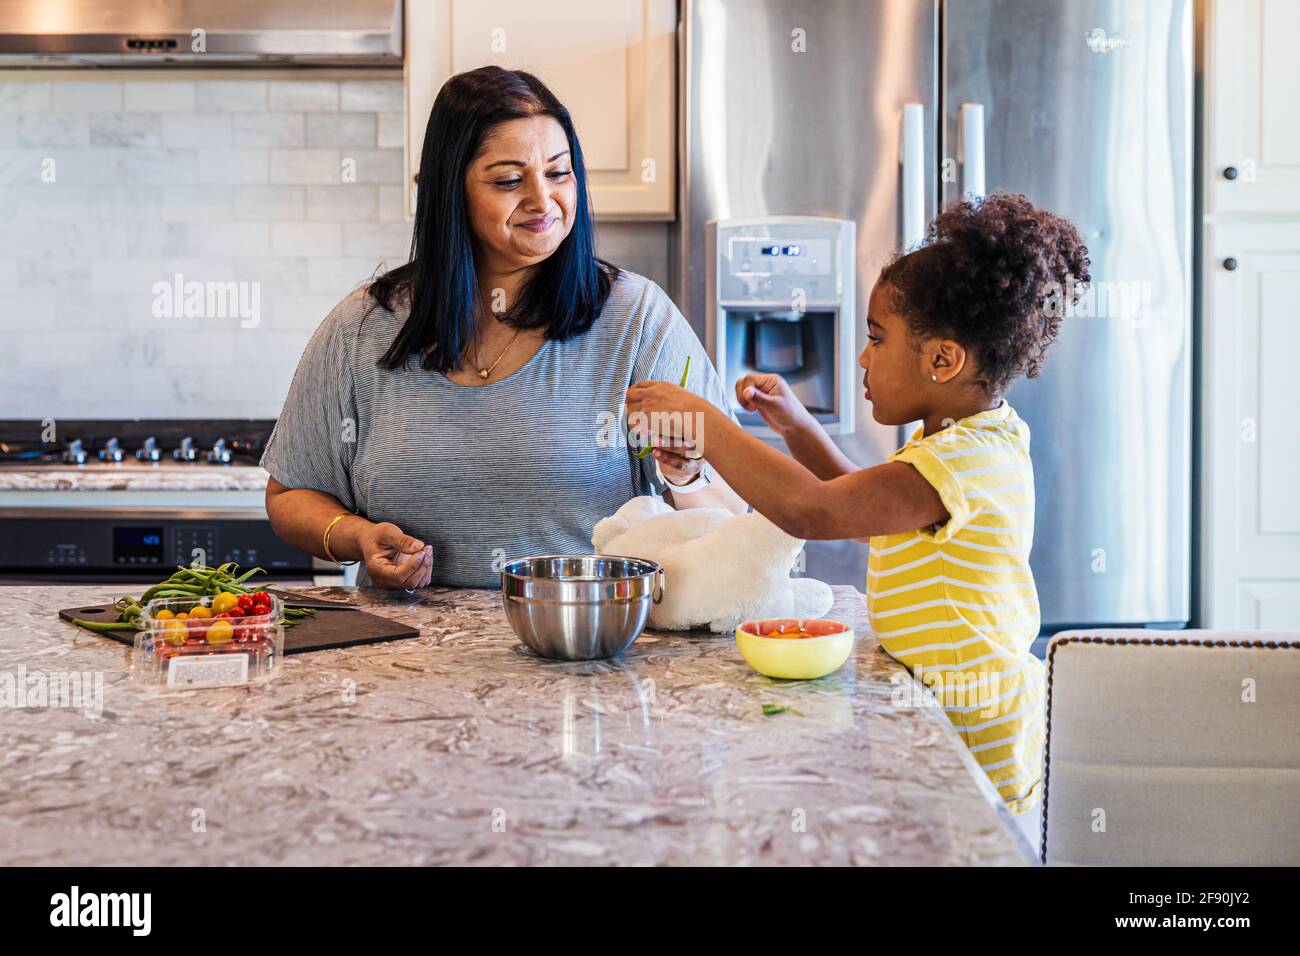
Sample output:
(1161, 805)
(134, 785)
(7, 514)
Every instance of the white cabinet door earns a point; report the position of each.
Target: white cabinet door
(1251, 443)
(1253, 95)
(610, 62)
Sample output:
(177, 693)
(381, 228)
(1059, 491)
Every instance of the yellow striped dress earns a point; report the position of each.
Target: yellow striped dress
(956, 603)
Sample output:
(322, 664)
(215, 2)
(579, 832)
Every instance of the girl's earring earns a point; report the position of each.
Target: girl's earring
(934, 377)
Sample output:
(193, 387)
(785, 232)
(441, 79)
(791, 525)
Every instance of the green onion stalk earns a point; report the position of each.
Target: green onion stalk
(682, 384)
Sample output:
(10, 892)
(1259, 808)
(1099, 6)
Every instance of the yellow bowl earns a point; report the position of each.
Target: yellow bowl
(794, 658)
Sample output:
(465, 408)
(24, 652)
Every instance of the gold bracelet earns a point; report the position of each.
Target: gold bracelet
(325, 540)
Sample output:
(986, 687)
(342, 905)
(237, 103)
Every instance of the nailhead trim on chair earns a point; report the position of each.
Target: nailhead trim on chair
(1157, 641)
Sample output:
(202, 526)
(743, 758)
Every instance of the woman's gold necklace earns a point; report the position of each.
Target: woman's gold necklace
(485, 372)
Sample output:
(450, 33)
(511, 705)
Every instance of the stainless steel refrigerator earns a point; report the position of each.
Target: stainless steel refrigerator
(876, 111)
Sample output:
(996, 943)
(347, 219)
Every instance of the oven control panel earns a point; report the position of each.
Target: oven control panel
(196, 541)
(123, 546)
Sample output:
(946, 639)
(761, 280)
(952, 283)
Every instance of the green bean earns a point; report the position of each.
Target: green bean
(106, 625)
(201, 580)
(154, 591)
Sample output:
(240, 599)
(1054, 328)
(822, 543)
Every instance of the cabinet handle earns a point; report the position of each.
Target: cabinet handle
(1230, 264)
(1230, 172)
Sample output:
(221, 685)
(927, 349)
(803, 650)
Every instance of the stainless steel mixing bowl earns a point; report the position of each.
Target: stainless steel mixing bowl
(580, 607)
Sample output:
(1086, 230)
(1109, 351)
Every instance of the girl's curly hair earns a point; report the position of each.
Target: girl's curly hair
(995, 274)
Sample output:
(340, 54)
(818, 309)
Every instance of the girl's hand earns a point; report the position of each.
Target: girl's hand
(394, 559)
(666, 412)
(650, 397)
(771, 396)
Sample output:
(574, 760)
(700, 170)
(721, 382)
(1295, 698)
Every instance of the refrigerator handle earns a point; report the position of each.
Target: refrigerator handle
(971, 137)
(912, 157)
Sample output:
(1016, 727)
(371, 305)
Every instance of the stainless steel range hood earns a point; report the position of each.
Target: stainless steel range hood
(198, 33)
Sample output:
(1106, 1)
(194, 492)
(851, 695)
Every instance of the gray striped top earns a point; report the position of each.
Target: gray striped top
(484, 474)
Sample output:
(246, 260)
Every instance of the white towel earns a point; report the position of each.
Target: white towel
(720, 569)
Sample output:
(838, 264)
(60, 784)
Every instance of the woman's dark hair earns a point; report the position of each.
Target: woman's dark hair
(568, 289)
(994, 274)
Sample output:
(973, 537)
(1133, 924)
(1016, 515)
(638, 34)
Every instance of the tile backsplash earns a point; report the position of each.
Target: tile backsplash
(168, 245)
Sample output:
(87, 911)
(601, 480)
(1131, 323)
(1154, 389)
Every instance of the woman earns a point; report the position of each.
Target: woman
(453, 414)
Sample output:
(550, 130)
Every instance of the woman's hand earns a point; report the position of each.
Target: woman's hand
(393, 558)
(771, 396)
(677, 468)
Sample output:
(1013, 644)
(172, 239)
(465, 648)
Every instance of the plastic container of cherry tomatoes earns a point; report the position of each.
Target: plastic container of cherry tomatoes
(206, 651)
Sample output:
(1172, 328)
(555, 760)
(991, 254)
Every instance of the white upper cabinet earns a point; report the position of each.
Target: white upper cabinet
(1253, 87)
(610, 62)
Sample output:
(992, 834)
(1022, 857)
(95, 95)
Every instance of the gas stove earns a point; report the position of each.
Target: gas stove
(27, 444)
(130, 500)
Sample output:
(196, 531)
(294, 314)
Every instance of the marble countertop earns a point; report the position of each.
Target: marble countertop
(461, 746)
(133, 476)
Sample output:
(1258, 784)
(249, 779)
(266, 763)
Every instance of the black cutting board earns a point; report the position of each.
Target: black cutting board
(324, 630)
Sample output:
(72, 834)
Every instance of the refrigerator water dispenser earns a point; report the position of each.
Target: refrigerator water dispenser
(781, 291)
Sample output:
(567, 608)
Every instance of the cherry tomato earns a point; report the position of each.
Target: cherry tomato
(220, 632)
(175, 632)
(200, 611)
(245, 601)
(164, 615)
(224, 602)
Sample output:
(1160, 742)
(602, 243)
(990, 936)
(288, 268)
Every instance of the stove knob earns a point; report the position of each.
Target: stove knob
(149, 451)
(220, 454)
(186, 452)
(75, 453)
(112, 451)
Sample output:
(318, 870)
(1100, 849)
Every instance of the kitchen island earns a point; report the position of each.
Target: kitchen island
(462, 747)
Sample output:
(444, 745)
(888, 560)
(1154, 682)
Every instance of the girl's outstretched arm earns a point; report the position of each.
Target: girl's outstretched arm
(885, 499)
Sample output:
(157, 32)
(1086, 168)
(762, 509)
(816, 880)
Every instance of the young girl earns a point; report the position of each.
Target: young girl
(950, 516)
